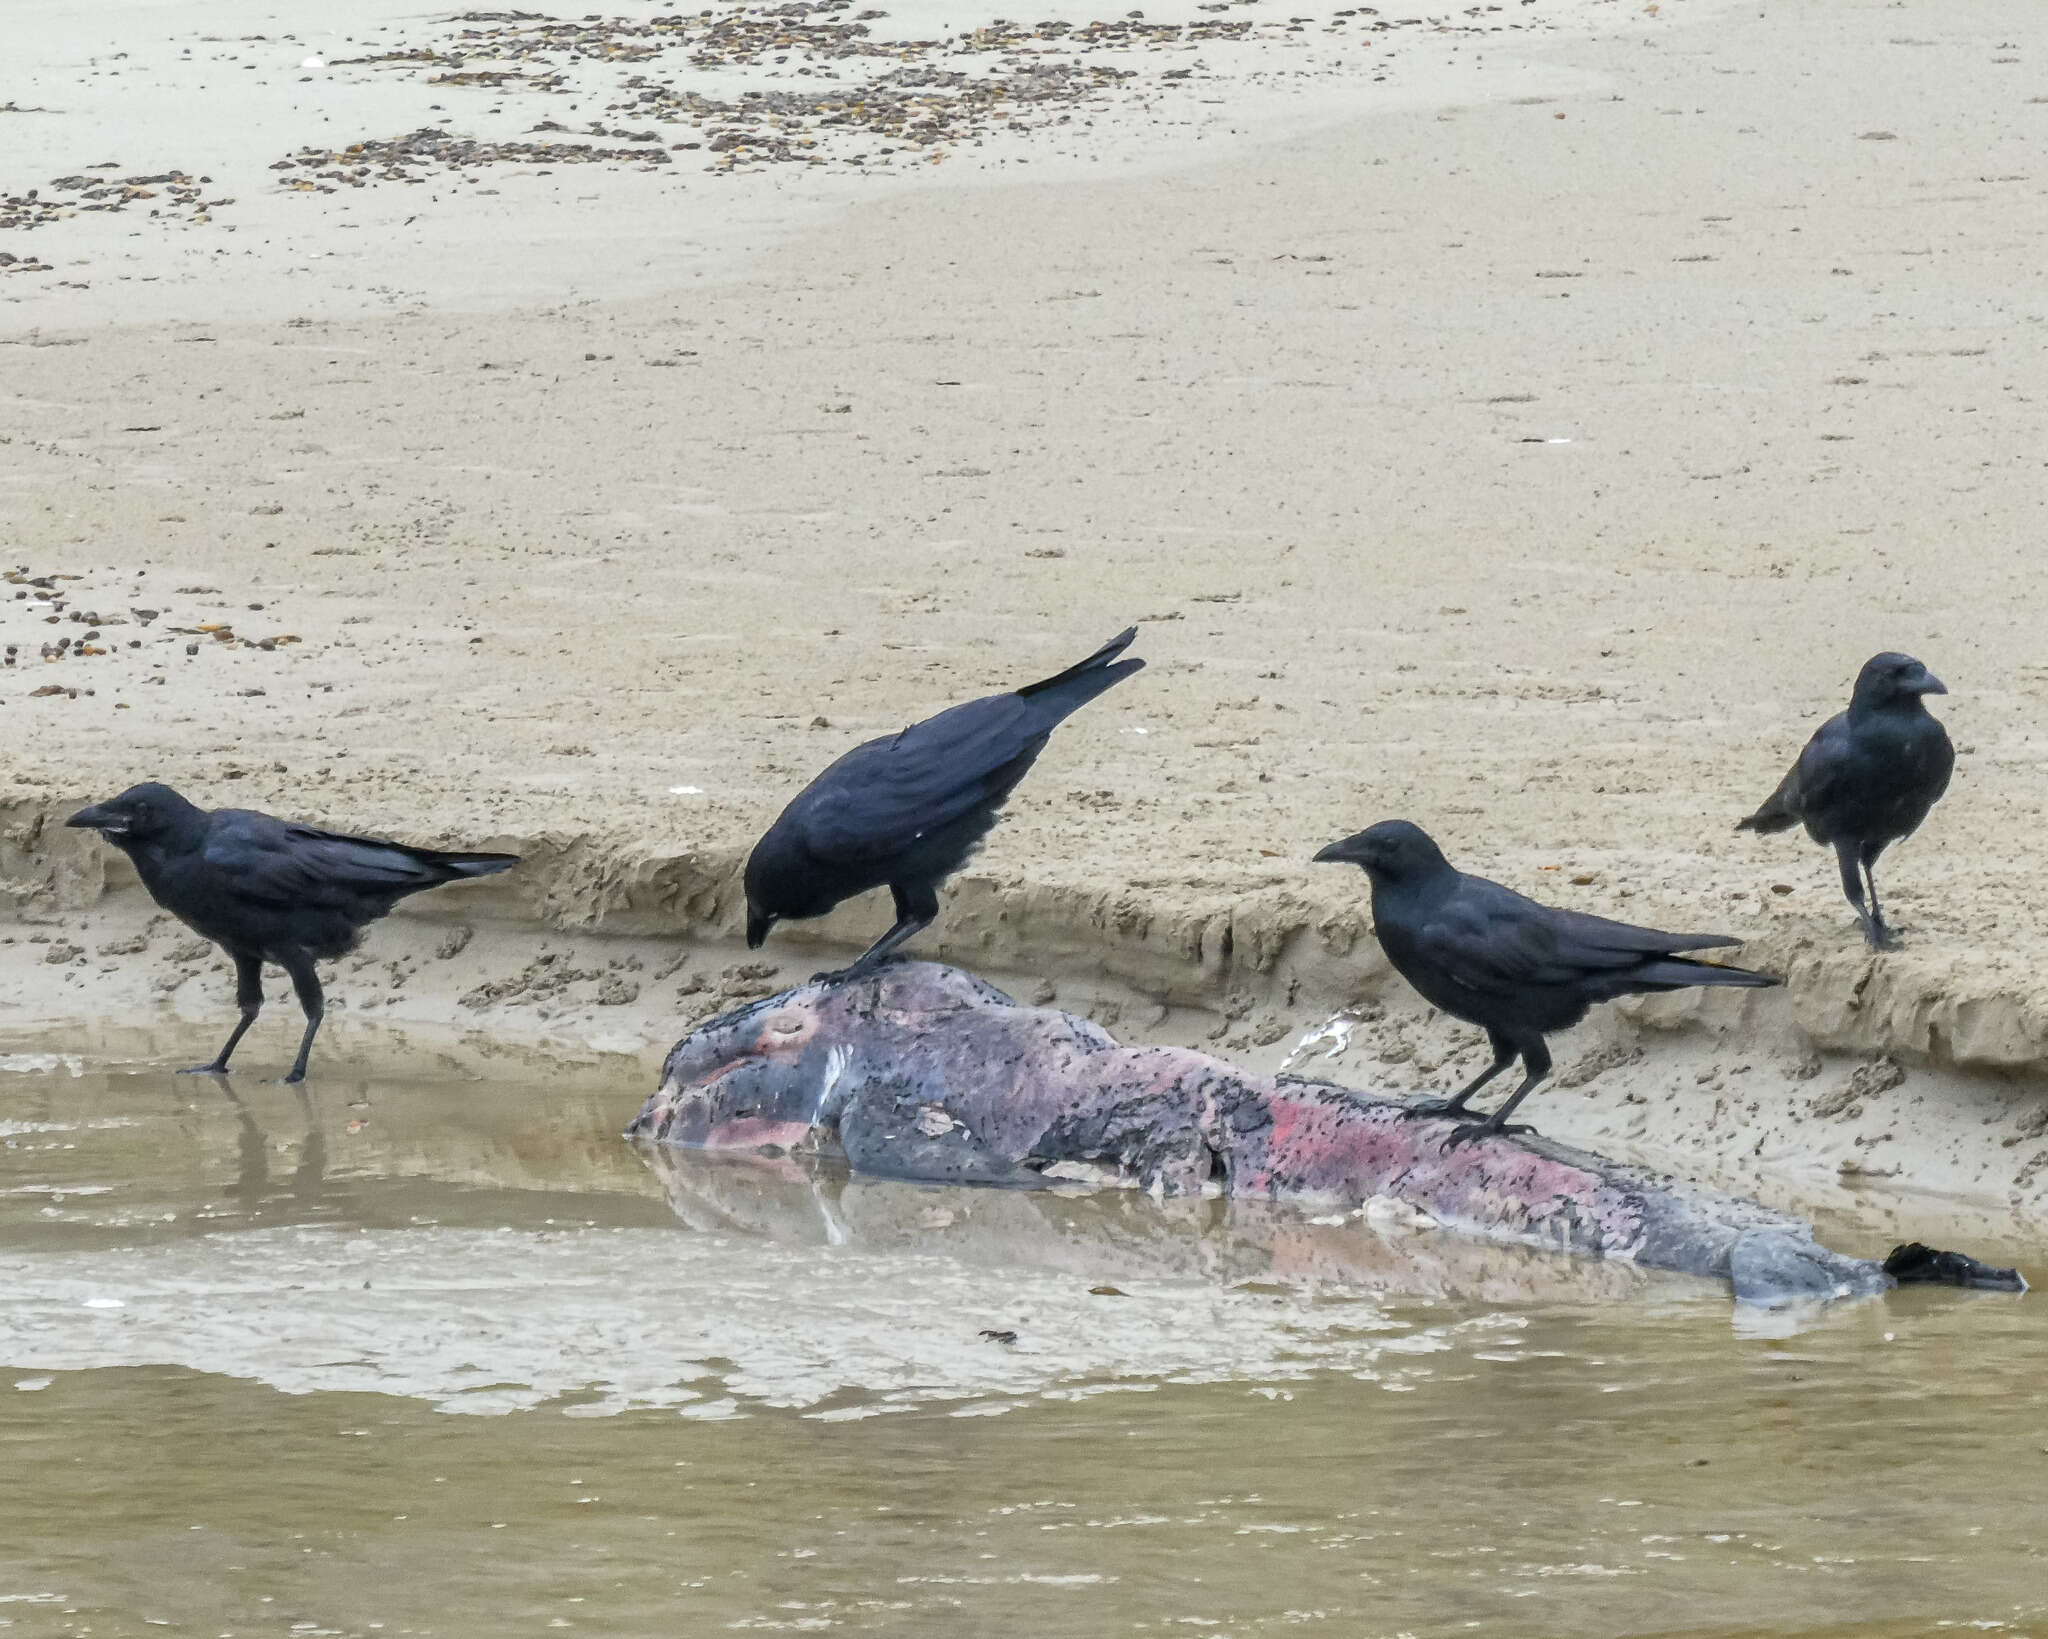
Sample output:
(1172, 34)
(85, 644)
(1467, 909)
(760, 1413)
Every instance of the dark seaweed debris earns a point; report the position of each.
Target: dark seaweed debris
(171, 196)
(109, 630)
(429, 148)
(177, 195)
(901, 99)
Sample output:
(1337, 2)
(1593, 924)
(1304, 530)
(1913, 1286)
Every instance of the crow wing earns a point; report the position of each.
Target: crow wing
(1812, 783)
(274, 862)
(1495, 945)
(881, 797)
(1825, 767)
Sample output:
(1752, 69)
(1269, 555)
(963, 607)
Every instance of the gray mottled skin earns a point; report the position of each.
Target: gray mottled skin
(923, 1072)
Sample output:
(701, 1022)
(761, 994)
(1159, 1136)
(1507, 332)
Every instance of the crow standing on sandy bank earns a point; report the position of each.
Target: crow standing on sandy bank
(906, 811)
(266, 890)
(1517, 969)
(1867, 778)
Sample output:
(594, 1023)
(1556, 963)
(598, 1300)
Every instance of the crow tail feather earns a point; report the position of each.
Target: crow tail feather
(1098, 662)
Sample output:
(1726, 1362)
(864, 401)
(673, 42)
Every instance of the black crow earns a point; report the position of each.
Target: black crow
(266, 890)
(1867, 778)
(1517, 969)
(905, 811)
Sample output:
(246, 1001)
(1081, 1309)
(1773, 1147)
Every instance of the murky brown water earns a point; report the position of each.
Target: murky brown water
(455, 1360)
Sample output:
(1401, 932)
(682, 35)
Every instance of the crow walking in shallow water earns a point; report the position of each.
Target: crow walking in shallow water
(905, 811)
(266, 890)
(1867, 778)
(1517, 969)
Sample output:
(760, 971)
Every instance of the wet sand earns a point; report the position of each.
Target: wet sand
(1536, 458)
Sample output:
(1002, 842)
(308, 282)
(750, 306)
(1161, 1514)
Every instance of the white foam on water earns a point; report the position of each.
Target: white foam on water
(494, 1321)
(39, 1063)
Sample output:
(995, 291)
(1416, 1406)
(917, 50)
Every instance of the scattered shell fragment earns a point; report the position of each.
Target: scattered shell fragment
(1385, 1212)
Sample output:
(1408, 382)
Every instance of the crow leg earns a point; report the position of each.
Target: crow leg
(1849, 856)
(1885, 936)
(249, 998)
(1536, 1062)
(1890, 939)
(1503, 1056)
(306, 982)
(917, 907)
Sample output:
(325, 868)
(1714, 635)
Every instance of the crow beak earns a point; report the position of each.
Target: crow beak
(1338, 853)
(1929, 683)
(101, 819)
(758, 924)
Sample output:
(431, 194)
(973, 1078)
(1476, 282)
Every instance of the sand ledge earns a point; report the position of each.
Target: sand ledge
(1895, 1078)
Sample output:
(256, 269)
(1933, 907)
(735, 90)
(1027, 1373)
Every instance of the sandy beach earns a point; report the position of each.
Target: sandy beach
(1523, 421)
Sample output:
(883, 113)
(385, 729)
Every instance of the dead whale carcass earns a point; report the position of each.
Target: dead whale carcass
(924, 1072)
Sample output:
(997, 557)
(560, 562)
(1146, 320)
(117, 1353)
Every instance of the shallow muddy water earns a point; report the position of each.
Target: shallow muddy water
(454, 1359)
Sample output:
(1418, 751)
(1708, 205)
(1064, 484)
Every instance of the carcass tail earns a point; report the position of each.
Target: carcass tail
(1915, 1264)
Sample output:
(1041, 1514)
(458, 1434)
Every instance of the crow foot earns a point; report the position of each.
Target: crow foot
(1417, 1109)
(858, 970)
(1484, 1129)
(215, 1069)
